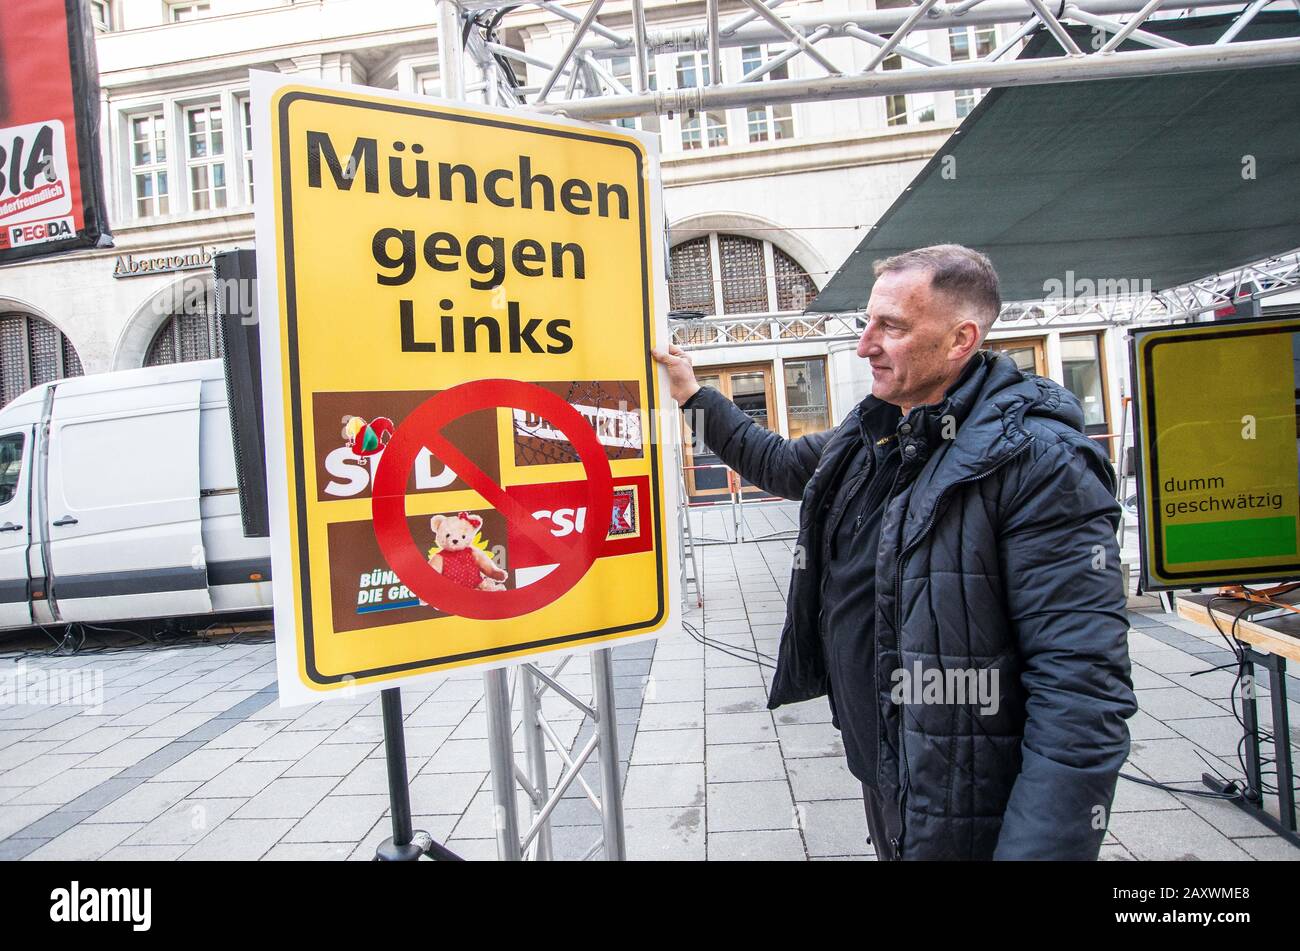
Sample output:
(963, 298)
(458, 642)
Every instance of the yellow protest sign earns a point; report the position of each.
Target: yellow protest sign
(464, 442)
(1218, 481)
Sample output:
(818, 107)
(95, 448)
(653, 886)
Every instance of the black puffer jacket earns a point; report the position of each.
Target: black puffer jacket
(1000, 555)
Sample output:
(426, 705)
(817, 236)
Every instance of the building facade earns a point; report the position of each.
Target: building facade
(763, 204)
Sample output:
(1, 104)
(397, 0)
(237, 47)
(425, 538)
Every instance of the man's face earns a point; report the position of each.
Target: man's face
(908, 339)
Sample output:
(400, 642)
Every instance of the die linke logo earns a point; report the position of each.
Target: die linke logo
(81, 904)
(34, 189)
(613, 426)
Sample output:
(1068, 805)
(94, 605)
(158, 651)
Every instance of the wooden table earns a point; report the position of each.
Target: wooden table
(1266, 642)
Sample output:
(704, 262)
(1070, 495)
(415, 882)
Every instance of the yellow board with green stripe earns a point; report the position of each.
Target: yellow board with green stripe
(1219, 482)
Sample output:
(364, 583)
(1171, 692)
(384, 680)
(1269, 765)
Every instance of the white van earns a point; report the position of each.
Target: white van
(119, 500)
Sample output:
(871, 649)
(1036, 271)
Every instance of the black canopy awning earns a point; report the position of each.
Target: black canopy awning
(1166, 179)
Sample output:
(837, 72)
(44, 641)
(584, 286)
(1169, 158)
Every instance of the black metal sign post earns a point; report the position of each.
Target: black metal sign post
(405, 844)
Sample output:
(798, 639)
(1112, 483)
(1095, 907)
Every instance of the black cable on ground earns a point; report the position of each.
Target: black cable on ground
(74, 638)
(731, 650)
(1238, 786)
(1203, 793)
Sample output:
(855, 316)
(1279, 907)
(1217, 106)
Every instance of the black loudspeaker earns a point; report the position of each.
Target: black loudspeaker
(235, 286)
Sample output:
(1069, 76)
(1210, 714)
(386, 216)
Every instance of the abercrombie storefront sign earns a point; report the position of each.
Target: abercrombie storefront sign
(128, 265)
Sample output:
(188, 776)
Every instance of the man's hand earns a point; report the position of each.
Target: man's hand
(682, 384)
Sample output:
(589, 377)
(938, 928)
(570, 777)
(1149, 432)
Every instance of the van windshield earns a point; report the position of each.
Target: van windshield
(11, 464)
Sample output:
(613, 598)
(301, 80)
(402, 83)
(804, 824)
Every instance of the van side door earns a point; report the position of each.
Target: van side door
(15, 526)
(123, 505)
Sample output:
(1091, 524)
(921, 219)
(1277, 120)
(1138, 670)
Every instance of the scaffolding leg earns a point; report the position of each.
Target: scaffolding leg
(686, 540)
(535, 752)
(611, 787)
(740, 510)
(501, 747)
(1123, 476)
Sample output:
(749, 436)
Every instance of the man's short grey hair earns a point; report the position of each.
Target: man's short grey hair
(964, 275)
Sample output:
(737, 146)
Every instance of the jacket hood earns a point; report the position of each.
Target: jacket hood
(982, 423)
(999, 395)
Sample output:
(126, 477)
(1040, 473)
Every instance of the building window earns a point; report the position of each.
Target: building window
(205, 164)
(744, 276)
(428, 82)
(805, 397)
(246, 145)
(32, 351)
(895, 106)
(11, 465)
(149, 164)
(754, 277)
(795, 290)
(1082, 369)
(967, 43)
(752, 389)
(692, 70)
(691, 287)
(1028, 354)
(764, 123)
(192, 335)
(707, 131)
(181, 12)
(620, 68)
(101, 15)
(713, 133)
(902, 109)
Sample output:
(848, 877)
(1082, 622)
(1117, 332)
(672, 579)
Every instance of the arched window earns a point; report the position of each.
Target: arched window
(32, 351)
(795, 290)
(754, 277)
(192, 334)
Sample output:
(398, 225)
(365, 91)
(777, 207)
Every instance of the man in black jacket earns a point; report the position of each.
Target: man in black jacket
(956, 588)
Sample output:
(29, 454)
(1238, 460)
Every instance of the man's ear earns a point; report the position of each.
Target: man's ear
(965, 338)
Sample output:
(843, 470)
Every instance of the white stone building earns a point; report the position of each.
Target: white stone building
(763, 204)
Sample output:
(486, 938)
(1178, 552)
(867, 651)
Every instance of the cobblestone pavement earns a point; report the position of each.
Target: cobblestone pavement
(189, 756)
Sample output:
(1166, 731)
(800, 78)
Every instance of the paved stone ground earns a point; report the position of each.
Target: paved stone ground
(189, 756)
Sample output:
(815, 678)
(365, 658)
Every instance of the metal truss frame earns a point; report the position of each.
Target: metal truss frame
(579, 85)
(514, 842)
(1187, 302)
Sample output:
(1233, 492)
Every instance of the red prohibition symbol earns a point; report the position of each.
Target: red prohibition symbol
(573, 555)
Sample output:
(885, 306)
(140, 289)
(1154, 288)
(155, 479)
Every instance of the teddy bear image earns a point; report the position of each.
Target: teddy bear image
(458, 559)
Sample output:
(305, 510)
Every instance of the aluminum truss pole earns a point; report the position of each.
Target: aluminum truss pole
(501, 747)
(799, 40)
(736, 24)
(535, 750)
(1128, 29)
(940, 17)
(450, 51)
(611, 787)
(898, 36)
(640, 49)
(715, 54)
(583, 25)
(496, 683)
(1147, 62)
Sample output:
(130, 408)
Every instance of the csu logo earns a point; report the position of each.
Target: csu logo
(564, 521)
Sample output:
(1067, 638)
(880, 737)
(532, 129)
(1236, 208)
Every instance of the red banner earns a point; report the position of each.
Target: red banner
(51, 185)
